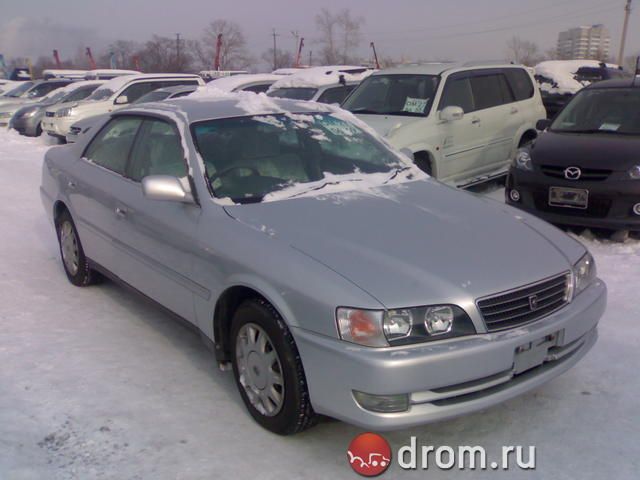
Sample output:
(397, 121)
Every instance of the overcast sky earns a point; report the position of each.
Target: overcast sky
(416, 29)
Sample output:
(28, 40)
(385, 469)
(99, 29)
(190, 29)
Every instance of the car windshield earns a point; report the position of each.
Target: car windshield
(606, 111)
(19, 90)
(247, 158)
(405, 95)
(54, 97)
(294, 93)
(155, 96)
(79, 94)
(101, 94)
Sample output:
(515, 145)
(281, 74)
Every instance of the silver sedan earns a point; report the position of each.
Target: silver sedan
(329, 272)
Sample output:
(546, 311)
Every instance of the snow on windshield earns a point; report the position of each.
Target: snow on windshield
(559, 76)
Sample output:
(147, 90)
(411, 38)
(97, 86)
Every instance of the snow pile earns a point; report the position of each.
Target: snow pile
(236, 82)
(559, 75)
(317, 77)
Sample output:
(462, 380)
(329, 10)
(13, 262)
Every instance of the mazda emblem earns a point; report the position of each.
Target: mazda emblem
(572, 173)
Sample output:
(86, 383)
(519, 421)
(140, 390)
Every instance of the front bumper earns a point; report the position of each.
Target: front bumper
(610, 202)
(449, 378)
(57, 126)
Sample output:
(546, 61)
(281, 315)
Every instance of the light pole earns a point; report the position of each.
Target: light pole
(627, 13)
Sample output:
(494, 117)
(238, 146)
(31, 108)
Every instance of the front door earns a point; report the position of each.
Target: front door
(156, 244)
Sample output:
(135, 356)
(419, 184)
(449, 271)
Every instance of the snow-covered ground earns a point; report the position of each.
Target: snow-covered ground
(96, 383)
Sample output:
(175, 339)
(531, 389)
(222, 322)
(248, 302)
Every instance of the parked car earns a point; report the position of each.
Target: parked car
(50, 74)
(6, 85)
(209, 75)
(461, 122)
(250, 82)
(108, 74)
(30, 119)
(9, 109)
(167, 93)
(330, 84)
(115, 94)
(584, 169)
(32, 91)
(15, 89)
(559, 80)
(250, 218)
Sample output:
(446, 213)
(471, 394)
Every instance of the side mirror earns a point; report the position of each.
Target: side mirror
(122, 100)
(543, 124)
(451, 114)
(165, 187)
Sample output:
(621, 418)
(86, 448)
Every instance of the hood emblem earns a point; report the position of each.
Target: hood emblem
(533, 302)
(572, 173)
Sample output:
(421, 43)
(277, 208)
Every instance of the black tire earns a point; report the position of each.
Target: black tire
(39, 130)
(296, 413)
(83, 275)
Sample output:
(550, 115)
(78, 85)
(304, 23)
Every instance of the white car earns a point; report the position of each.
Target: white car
(247, 82)
(462, 123)
(115, 94)
(329, 84)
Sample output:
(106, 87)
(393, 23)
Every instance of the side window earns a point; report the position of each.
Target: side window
(490, 90)
(110, 148)
(135, 91)
(158, 151)
(457, 93)
(260, 88)
(335, 94)
(520, 83)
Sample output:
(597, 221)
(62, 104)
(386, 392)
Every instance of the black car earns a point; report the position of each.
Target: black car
(584, 170)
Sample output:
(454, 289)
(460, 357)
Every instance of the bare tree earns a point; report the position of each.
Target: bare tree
(340, 35)
(123, 53)
(523, 51)
(160, 54)
(284, 58)
(233, 54)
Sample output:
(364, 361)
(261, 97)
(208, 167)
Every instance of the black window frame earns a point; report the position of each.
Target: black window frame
(491, 72)
(510, 82)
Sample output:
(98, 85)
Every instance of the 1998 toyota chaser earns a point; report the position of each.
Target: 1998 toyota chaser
(333, 275)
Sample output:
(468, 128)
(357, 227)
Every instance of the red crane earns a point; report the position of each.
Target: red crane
(92, 62)
(216, 61)
(56, 57)
(297, 63)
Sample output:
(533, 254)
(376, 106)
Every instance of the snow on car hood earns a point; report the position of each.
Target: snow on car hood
(386, 124)
(415, 243)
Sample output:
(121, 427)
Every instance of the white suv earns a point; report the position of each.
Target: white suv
(113, 95)
(462, 123)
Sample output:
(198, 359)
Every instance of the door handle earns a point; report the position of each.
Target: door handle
(121, 212)
(514, 110)
(475, 120)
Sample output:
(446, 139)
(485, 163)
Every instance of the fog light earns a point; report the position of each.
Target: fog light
(636, 209)
(382, 403)
(514, 195)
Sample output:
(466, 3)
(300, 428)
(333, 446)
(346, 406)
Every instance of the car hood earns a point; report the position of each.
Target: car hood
(386, 124)
(600, 151)
(416, 243)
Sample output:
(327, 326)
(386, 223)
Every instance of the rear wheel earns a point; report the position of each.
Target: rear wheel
(74, 261)
(268, 369)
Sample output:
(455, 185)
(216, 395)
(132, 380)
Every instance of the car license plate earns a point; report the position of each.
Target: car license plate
(533, 354)
(568, 197)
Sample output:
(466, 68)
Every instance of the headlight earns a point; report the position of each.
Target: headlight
(634, 172)
(64, 112)
(379, 328)
(584, 272)
(523, 160)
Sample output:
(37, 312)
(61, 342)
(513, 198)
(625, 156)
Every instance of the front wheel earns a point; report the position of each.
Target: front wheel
(268, 369)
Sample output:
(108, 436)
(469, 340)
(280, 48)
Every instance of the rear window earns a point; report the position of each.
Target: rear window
(520, 82)
(336, 94)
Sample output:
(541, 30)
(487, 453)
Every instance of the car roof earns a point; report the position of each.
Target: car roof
(438, 68)
(616, 83)
(244, 104)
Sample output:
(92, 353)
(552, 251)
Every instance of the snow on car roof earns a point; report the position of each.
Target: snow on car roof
(233, 82)
(117, 83)
(316, 77)
(562, 73)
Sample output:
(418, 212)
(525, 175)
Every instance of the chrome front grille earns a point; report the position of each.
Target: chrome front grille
(524, 305)
(586, 174)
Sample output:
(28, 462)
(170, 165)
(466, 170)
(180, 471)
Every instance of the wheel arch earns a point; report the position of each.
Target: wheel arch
(58, 208)
(527, 136)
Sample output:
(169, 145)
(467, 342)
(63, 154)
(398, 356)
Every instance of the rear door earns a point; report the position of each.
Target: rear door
(156, 243)
(463, 141)
(95, 184)
(499, 115)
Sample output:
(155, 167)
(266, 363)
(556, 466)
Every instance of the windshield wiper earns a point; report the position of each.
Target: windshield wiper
(365, 110)
(396, 171)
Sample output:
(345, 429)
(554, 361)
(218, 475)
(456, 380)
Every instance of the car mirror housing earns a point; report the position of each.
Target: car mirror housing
(451, 114)
(543, 124)
(167, 188)
(122, 100)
